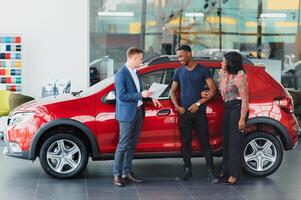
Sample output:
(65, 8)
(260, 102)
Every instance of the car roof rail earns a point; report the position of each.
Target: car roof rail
(174, 58)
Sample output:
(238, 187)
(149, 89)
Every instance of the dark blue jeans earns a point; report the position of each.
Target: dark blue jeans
(129, 133)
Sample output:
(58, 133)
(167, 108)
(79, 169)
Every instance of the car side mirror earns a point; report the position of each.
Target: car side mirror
(110, 98)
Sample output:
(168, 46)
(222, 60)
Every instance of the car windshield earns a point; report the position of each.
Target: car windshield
(98, 86)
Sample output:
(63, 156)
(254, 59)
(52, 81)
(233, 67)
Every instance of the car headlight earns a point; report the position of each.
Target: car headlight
(19, 118)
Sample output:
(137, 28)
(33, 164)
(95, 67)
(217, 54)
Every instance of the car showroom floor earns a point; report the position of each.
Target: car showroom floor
(22, 179)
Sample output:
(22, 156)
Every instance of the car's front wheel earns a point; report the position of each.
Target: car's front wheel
(63, 156)
(262, 154)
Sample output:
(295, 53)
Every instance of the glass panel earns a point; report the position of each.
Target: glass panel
(262, 29)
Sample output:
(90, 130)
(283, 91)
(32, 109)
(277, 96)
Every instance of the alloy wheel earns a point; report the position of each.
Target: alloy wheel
(260, 154)
(63, 156)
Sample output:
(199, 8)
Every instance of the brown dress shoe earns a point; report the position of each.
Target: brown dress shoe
(130, 177)
(117, 180)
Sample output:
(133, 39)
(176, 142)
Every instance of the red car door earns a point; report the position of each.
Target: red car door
(158, 131)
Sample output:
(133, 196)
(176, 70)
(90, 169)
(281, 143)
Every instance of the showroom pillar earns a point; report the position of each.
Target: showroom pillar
(180, 24)
(298, 37)
(142, 25)
(259, 28)
(219, 13)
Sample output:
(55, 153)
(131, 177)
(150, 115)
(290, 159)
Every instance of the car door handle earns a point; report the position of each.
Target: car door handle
(164, 112)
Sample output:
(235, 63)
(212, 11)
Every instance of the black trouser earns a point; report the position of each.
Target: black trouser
(232, 139)
(198, 122)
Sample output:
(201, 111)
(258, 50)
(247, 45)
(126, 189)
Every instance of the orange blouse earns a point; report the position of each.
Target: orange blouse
(235, 86)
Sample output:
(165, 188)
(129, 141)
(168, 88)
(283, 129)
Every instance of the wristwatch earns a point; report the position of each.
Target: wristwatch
(198, 104)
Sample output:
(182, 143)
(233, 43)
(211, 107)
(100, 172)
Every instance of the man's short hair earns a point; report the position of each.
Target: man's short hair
(184, 47)
(133, 50)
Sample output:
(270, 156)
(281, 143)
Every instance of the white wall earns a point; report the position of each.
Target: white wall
(54, 40)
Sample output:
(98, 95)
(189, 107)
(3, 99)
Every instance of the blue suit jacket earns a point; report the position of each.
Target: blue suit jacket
(127, 95)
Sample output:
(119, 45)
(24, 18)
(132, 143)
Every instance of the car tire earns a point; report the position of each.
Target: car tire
(63, 156)
(262, 154)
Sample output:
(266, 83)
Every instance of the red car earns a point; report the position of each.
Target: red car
(64, 131)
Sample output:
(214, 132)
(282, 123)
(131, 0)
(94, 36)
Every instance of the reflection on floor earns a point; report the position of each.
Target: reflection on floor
(22, 179)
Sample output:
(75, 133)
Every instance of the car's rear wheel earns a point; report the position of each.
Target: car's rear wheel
(63, 156)
(262, 154)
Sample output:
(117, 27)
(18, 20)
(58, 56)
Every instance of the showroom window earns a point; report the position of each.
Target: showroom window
(267, 31)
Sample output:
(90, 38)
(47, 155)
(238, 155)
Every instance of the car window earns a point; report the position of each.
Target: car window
(98, 86)
(160, 76)
(215, 76)
(165, 77)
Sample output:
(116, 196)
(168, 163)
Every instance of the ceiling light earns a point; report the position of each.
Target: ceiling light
(200, 14)
(273, 15)
(116, 14)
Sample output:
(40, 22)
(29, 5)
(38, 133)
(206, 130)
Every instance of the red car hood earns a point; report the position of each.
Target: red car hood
(32, 105)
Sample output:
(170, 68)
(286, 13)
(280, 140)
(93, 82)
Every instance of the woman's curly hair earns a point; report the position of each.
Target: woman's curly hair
(233, 62)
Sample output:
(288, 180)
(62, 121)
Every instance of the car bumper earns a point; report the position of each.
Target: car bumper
(295, 145)
(22, 155)
(13, 149)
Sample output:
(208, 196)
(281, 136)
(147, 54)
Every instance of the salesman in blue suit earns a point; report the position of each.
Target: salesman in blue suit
(130, 113)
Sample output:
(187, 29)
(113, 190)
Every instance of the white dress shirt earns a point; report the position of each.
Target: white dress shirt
(136, 80)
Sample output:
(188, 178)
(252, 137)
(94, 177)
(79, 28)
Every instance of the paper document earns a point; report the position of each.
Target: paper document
(157, 89)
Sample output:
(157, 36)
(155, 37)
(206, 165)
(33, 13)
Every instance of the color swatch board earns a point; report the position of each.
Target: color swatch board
(11, 63)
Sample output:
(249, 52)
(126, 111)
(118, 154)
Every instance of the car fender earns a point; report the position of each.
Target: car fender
(284, 135)
(63, 121)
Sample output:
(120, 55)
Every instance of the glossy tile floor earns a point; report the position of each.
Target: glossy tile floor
(22, 179)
